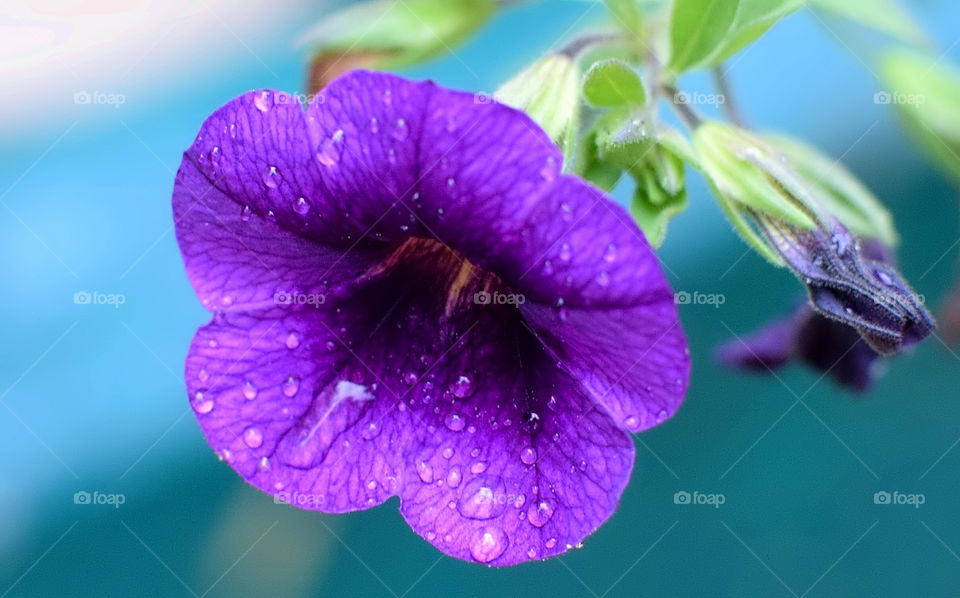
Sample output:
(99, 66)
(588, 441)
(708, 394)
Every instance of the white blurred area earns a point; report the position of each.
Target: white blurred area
(51, 48)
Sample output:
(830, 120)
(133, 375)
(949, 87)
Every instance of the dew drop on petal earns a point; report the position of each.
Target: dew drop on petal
(400, 130)
(263, 100)
(253, 437)
(531, 422)
(370, 431)
(301, 206)
(462, 387)
(387, 97)
(290, 386)
(245, 213)
(549, 170)
(603, 279)
(540, 513)
(203, 376)
(425, 471)
(482, 498)
(249, 391)
(632, 422)
(330, 151)
(271, 178)
(454, 422)
(447, 452)
(453, 476)
(374, 125)
(293, 340)
(488, 543)
(610, 255)
(565, 252)
(528, 455)
(202, 404)
(478, 467)
(551, 543)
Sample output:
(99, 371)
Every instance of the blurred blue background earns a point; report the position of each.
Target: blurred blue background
(93, 398)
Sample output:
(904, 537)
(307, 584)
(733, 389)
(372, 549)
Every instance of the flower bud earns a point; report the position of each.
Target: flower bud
(385, 34)
(549, 91)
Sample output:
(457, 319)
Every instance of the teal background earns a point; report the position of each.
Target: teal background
(92, 397)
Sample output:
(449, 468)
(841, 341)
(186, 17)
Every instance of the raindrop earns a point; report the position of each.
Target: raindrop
(401, 131)
(330, 152)
(202, 405)
(551, 543)
(482, 498)
(565, 252)
(410, 378)
(290, 386)
(610, 255)
(374, 125)
(661, 416)
(478, 467)
(249, 391)
(632, 422)
(293, 340)
(489, 543)
(883, 277)
(301, 206)
(549, 170)
(263, 100)
(463, 387)
(253, 437)
(425, 471)
(387, 97)
(540, 513)
(603, 279)
(528, 455)
(453, 476)
(370, 431)
(531, 422)
(271, 178)
(245, 213)
(454, 422)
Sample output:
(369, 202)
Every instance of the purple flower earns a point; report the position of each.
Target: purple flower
(411, 300)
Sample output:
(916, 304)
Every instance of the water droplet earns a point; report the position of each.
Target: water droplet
(202, 404)
(301, 206)
(331, 346)
(425, 471)
(565, 252)
(610, 255)
(203, 376)
(263, 100)
(478, 467)
(249, 391)
(253, 437)
(883, 277)
(632, 422)
(387, 97)
(374, 125)
(451, 182)
(264, 464)
(549, 170)
(447, 452)
(463, 387)
(245, 213)
(372, 485)
(233, 131)
(603, 279)
(551, 543)
(488, 543)
(371, 430)
(330, 152)
(540, 513)
(293, 340)
(531, 553)
(410, 378)
(454, 422)
(400, 130)
(528, 455)
(482, 498)
(291, 385)
(547, 268)
(271, 178)
(453, 476)
(661, 416)
(215, 154)
(392, 156)
(531, 422)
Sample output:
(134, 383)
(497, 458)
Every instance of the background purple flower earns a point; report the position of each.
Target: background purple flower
(364, 259)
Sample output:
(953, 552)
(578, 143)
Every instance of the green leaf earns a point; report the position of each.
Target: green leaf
(885, 16)
(704, 33)
(842, 193)
(612, 83)
(660, 192)
(697, 29)
(627, 14)
(590, 166)
(926, 93)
